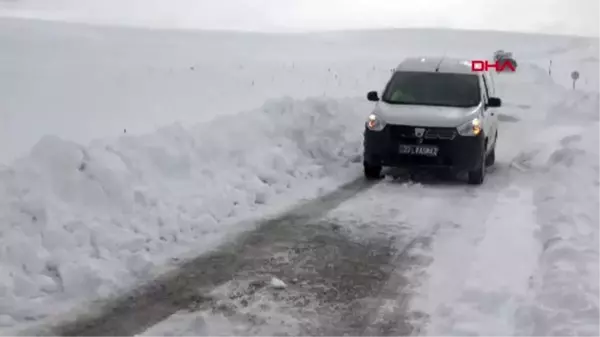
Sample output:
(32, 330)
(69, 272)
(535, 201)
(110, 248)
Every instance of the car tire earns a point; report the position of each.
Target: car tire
(477, 176)
(372, 172)
(490, 159)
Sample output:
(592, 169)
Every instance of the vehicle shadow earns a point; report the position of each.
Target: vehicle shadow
(444, 179)
(425, 177)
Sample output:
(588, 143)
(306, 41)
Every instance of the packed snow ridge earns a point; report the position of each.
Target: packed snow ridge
(80, 222)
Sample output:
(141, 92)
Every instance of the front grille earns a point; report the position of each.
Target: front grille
(406, 134)
(440, 133)
(398, 132)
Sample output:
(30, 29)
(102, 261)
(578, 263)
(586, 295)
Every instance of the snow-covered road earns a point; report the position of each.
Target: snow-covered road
(518, 255)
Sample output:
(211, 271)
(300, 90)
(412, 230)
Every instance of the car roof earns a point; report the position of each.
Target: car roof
(436, 64)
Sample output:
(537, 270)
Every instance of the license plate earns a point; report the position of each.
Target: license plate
(419, 150)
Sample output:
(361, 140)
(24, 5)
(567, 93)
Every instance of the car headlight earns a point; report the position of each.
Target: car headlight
(375, 123)
(470, 128)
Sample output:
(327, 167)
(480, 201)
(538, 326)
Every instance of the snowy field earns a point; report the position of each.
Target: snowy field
(262, 122)
(84, 82)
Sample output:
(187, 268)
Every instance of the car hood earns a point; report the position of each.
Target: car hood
(423, 115)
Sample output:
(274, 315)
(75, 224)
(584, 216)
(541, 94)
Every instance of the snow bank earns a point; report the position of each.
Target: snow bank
(568, 116)
(79, 222)
(564, 289)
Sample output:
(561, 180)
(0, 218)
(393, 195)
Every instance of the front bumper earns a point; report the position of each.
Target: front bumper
(456, 152)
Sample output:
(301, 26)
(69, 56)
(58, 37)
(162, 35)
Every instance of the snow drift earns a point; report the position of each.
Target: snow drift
(79, 222)
(564, 300)
(564, 288)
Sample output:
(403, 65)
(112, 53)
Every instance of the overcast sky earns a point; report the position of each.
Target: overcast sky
(576, 17)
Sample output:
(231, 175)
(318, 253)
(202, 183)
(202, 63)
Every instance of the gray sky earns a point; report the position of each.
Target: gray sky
(575, 17)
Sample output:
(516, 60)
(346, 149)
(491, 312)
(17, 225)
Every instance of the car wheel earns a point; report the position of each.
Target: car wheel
(477, 176)
(490, 159)
(372, 171)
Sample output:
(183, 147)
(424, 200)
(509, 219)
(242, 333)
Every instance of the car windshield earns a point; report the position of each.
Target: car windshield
(429, 88)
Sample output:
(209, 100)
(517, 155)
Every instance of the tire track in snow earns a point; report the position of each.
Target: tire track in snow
(332, 276)
(387, 310)
(378, 321)
(136, 310)
(391, 311)
(459, 300)
(337, 282)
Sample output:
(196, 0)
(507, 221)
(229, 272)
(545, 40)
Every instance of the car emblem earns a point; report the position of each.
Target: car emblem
(419, 132)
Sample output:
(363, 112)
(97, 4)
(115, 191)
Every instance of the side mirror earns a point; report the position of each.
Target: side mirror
(373, 96)
(494, 102)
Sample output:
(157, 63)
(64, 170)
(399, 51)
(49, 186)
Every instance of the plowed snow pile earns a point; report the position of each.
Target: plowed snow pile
(564, 289)
(79, 222)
